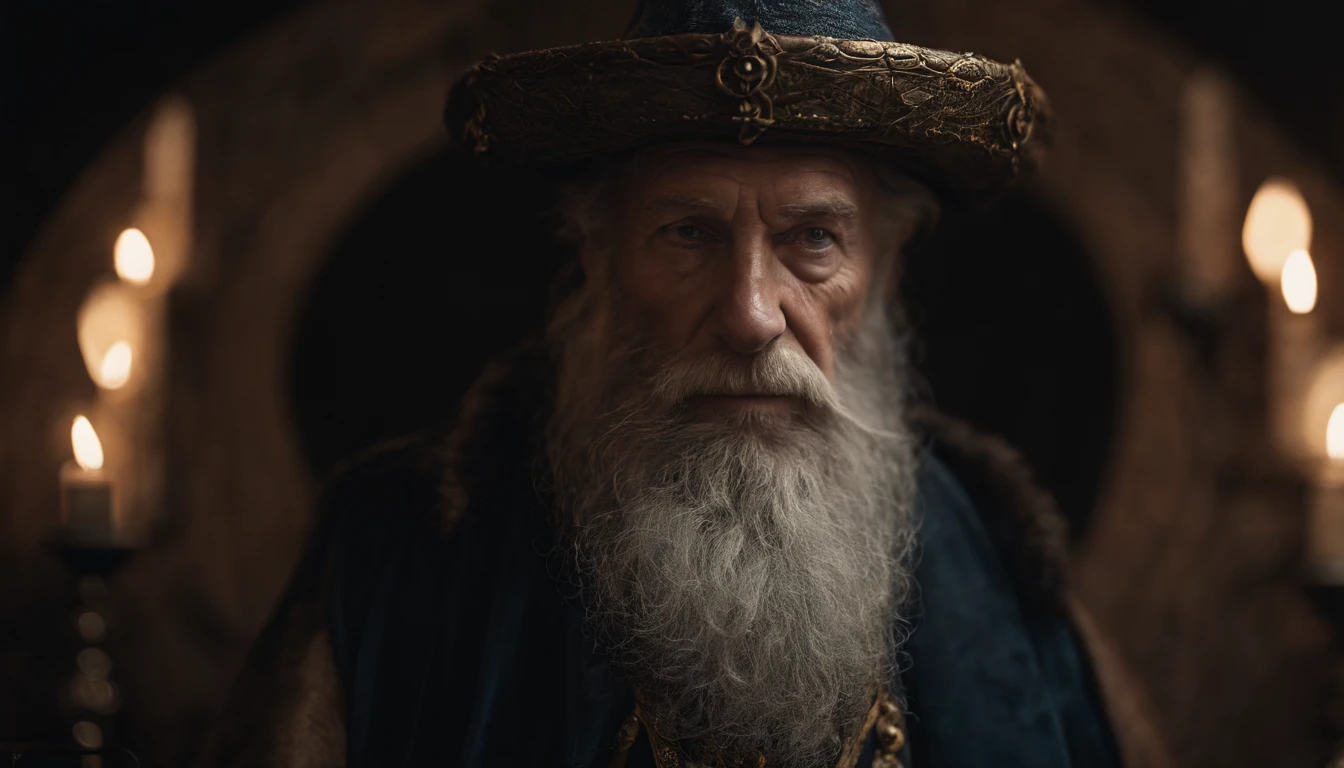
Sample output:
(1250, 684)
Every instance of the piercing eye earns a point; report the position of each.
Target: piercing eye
(818, 238)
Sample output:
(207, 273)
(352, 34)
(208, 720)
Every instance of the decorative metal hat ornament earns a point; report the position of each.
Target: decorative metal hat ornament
(757, 71)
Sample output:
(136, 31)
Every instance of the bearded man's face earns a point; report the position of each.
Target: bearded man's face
(730, 248)
(727, 447)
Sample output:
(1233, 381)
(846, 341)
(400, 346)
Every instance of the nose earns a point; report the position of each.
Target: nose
(750, 315)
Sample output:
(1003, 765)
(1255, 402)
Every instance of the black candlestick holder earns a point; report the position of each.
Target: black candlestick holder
(90, 696)
(84, 558)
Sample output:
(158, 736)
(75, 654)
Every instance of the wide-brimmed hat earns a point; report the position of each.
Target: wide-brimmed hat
(756, 72)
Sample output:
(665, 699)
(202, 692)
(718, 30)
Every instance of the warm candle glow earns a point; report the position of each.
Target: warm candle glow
(112, 315)
(1278, 222)
(1334, 433)
(88, 451)
(133, 256)
(116, 368)
(1298, 282)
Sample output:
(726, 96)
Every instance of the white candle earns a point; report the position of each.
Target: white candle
(1296, 345)
(87, 492)
(1276, 235)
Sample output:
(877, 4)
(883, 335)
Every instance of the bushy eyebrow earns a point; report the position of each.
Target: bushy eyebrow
(675, 202)
(834, 207)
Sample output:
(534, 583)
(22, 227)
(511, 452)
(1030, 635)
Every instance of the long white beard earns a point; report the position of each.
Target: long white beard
(745, 573)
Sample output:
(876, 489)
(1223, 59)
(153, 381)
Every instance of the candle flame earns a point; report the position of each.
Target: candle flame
(1298, 282)
(112, 316)
(1334, 433)
(88, 451)
(116, 368)
(1278, 222)
(134, 257)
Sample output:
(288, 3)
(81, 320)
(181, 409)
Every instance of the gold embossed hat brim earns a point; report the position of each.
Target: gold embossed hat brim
(968, 124)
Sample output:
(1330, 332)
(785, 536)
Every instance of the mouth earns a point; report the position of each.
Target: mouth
(734, 403)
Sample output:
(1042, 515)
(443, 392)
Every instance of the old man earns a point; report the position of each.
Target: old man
(699, 521)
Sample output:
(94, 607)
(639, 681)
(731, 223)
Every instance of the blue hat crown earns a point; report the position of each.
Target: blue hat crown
(845, 19)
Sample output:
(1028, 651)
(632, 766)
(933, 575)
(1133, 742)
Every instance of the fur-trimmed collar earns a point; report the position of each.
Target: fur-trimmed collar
(1023, 521)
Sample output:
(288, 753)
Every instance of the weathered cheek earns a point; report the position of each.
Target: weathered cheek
(848, 314)
(821, 316)
(668, 325)
(840, 307)
(663, 309)
(812, 325)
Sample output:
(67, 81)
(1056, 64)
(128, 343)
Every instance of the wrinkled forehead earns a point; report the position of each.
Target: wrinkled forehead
(782, 169)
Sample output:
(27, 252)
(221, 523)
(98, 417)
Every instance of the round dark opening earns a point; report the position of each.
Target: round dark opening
(1014, 334)
(445, 270)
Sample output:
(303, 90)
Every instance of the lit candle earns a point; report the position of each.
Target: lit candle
(1275, 237)
(112, 334)
(1325, 545)
(1296, 344)
(1278, 222)
(133, 257)
(87, 491)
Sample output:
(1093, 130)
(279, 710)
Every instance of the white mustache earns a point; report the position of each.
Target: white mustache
(780, 370)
